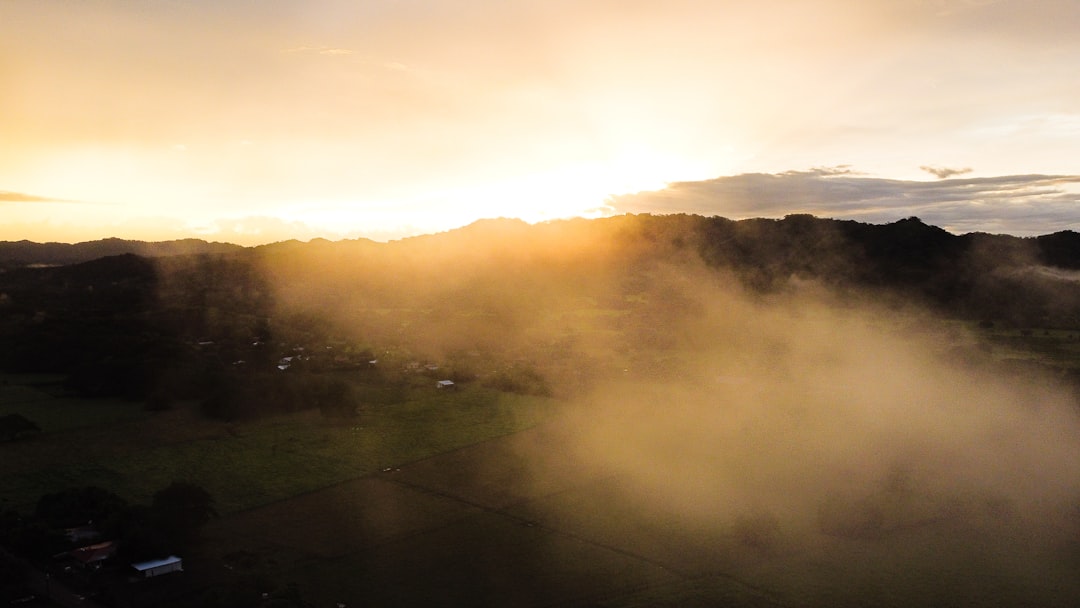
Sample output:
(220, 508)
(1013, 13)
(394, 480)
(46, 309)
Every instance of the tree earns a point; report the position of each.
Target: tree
(182, 509)
(13, 426)
(142, 536)
(76, 506)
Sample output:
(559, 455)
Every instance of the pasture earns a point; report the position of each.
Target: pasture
(466, 498)
(120, 447)
(491, 524)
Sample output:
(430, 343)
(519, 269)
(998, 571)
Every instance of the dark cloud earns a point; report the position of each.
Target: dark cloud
(944, 172)
(1014, 204)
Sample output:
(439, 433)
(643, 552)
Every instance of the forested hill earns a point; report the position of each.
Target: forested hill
(905, 243)
(1020, 281)
(25, 253)
(971, 275)
(563, 295)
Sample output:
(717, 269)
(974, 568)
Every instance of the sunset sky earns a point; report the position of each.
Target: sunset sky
(251, 121)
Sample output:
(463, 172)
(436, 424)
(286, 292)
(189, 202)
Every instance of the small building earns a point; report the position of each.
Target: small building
(91, 557)
(157, 567)
(445, 384)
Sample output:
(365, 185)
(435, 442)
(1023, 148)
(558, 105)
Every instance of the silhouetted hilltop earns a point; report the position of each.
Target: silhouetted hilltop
(907, 250)
(564, 295)
(1022, 281)
(1060, 249)
(907, 256)
(23, 253)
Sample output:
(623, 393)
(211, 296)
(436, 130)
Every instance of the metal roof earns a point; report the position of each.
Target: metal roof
(156, 563)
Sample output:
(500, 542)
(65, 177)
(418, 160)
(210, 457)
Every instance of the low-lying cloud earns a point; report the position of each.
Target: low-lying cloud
(833, 442)
(7, 196)
(1022, 205)
(824, 448)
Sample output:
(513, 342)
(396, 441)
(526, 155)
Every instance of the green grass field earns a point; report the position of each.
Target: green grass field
(41, 399)
(437, 499)
(119, 446)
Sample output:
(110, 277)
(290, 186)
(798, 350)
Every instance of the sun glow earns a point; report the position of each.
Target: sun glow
(354, 118)
(573, 190)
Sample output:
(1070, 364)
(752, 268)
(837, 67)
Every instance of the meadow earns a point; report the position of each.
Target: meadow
(121, 447)
(469, 497)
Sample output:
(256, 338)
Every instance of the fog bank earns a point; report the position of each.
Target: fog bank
(803, 442)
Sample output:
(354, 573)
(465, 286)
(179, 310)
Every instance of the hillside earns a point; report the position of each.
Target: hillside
(27, 253)
(561, 295)
(1018, 281)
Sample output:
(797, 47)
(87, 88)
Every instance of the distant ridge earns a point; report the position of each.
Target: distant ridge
(25, 253)
(794, 243)
(496, 276)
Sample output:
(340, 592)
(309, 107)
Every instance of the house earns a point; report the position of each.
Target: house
(93, 556)
(157, 567)
(447, 384)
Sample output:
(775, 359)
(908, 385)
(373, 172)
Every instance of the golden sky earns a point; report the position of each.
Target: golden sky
(253, 121)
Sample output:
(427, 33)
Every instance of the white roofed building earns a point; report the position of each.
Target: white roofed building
(157, 567)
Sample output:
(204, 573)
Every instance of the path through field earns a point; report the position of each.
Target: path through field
(472, 527)
(487, 525)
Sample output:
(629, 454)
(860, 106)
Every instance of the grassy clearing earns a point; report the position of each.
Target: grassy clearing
(950, 564)
(343, 519)
(40, 399)
(482, 560)
(432, 532)
(438, 533)
(120, 447)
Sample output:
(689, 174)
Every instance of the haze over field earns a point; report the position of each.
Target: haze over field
(251, 123)
(838, 455)
(828, 445)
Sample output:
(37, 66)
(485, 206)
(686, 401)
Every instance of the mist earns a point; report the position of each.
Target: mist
(834, 452)
(820, 443)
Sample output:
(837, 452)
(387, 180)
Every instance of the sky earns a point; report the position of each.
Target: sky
(252, 122)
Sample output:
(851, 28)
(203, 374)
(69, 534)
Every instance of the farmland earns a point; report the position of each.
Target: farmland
(473, 497)
(118, 445)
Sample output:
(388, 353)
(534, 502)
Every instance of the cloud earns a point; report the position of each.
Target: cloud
(1023, 205)
(944, 172)
(256, 230)
(7, 196)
